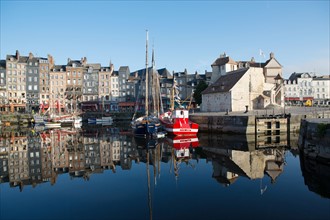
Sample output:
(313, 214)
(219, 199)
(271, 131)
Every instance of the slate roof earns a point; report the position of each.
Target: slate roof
(57, 68)
(162, 72)
(23, 59)
(278, 77)
(94, 65)
(115, 73)
(11, 56)
(123, 68)
(222, 61)
(295, 76)
(251, 64)
(77, 62)
(226, 82)
(2, 64)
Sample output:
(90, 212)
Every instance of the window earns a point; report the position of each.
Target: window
(35, 87)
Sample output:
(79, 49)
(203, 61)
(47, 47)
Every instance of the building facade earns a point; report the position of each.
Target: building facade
(306, 87)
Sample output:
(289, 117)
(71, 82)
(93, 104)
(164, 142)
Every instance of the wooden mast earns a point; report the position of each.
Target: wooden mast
(147, 88)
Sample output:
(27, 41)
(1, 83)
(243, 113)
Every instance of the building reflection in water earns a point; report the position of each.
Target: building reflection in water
(31, 157)
(316, 173)
(246, 156)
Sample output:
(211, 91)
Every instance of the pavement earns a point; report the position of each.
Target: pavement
(324, 112)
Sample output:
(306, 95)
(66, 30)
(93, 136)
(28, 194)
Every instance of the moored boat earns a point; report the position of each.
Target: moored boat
(147, 125)
(102, 120)
(177, 122)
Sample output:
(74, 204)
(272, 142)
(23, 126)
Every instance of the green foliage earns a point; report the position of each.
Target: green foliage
(199, 89)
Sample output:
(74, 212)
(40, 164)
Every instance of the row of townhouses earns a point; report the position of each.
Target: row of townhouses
(28, 83)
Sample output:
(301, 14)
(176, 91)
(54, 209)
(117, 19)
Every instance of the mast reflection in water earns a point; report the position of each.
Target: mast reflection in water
(103, 172)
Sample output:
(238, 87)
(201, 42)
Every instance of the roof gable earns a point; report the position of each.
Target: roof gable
(272, 62)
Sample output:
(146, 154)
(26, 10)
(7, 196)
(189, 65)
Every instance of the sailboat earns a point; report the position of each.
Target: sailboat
(147, 125)
(176, 121)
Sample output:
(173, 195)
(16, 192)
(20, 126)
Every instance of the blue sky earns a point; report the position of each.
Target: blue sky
(184, 34)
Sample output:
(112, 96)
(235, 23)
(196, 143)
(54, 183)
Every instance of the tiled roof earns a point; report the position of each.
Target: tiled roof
(226, 82)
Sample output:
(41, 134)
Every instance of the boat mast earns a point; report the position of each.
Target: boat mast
(173, 94)
(147, 88)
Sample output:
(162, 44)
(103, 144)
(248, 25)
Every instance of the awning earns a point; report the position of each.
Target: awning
(126, 104)
(298, 98)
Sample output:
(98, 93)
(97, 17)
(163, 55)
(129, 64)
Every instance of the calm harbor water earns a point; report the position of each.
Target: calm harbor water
(105, 173)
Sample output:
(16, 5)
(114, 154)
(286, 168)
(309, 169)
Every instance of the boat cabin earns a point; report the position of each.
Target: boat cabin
(180, 113)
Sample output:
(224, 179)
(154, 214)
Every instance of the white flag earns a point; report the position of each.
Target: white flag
(261, 53)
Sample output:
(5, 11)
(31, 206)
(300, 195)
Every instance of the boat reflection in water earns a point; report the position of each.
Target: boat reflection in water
(182, 149)
(29, 158)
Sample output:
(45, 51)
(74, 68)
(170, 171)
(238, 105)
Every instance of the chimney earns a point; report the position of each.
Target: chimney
(252, 60)
(51, 61)
(17, 54)
(84, 61)
(30, 55)
(271, 56)
(69, 60)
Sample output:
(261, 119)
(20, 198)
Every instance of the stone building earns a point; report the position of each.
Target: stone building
(91, 82)
(243, 85)
(74, 85)
(45, 64)
(3, 95)
(235, 91)
(16, 81)
(57, 101)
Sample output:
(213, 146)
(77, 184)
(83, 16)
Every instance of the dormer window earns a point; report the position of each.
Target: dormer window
(74, 65)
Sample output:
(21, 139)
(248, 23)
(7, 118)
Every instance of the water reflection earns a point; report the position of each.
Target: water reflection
(239, 158)
(316, 173)
(32, 156)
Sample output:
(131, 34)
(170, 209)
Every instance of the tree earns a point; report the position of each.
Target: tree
(199, 89)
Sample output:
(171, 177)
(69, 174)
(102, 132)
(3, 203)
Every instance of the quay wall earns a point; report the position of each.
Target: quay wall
(243, 124)
(314, 138)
